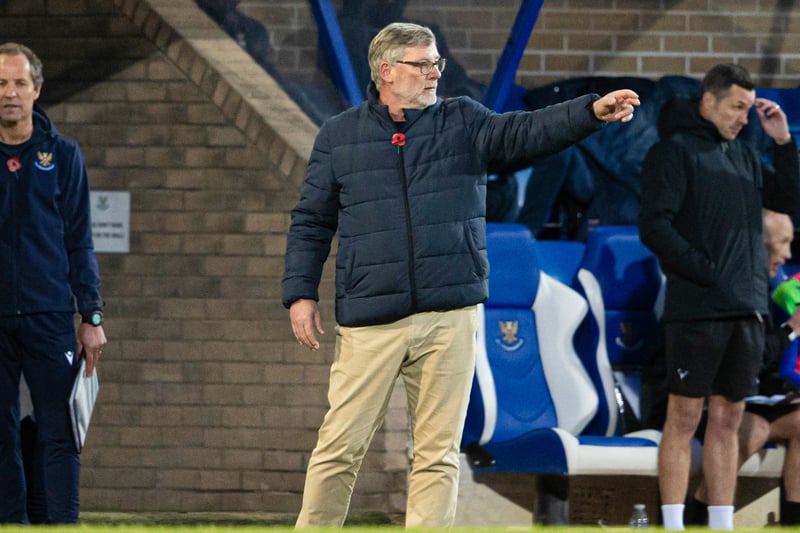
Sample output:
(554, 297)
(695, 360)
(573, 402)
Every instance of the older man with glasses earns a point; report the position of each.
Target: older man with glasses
(402, 178)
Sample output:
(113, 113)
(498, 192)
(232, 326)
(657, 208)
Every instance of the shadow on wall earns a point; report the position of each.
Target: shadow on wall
(319, 100)
(248, 33)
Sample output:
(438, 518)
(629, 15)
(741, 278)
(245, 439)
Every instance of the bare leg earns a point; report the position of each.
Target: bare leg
(753, 433)
(675, 452)
(721, 449)
(786, 429)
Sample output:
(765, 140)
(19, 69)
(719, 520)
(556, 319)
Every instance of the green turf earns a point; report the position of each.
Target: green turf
(287, 529)
(126, 523)
(229, 522)
(199, 522)
(196, 528)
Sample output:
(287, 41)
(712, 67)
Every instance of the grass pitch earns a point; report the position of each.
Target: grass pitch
(215, 528)
(95, 522)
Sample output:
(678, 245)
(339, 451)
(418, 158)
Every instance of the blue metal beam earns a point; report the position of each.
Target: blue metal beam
(331, 41)
(506, 70)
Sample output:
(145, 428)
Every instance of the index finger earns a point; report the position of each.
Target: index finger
(91, 362)
(311, 337)
(625, 94)
(303, 328)
(629, 100)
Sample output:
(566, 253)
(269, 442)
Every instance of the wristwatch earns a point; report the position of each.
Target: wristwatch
(95, 318)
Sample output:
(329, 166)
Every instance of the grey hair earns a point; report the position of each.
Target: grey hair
(390, 44)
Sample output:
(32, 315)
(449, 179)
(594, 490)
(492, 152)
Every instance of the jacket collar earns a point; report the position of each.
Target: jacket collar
(412, 115)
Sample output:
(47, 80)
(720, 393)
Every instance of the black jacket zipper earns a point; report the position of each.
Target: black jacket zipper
(411, 277)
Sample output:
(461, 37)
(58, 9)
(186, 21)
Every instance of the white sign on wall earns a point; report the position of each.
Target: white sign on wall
(111, 218)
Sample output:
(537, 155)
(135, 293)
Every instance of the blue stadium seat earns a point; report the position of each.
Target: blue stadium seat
(511, 400)
(532, 396)
(560, 258)
(624, 286)
(533, 402)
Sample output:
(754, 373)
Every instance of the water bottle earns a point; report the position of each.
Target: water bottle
(639, 517)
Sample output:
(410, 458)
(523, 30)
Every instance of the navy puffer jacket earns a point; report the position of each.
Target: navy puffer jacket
(411, 216)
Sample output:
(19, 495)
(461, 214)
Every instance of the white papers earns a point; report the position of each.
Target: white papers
(775, 399)
(25, 402)
(81, 403)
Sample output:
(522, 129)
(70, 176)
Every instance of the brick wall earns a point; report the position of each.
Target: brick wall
(207, 403)
(648, 38)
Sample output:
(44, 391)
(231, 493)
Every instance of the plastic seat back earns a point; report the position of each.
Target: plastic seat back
(623, 283)
(560, 258)
(516, 389)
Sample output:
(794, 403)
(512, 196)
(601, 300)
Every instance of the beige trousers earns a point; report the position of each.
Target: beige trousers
(435, 355)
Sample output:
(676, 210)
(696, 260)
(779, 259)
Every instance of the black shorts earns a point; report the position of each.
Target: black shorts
(706, 357)
(770, 412)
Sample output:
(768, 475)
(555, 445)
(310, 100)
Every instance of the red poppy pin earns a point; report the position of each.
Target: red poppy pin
(398, 139)
(13, 164)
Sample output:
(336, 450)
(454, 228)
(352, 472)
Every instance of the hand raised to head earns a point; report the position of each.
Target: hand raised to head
(773, 120)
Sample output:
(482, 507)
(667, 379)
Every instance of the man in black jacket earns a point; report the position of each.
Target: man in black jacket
(772, 423)
(402, 179)
(761, 423)
(703, 191)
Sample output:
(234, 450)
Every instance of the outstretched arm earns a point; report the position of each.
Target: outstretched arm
(616, 106)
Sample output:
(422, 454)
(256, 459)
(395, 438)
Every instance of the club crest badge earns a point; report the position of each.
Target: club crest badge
(44, 161)
(509, 339)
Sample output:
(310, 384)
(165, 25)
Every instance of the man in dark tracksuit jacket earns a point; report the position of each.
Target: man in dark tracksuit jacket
(702, 195)
(402, 178)
(773, 423)
(47, 269)
(760, 423)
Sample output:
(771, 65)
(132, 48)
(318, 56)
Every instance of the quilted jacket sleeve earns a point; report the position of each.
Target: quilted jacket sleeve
(314, 223)
(516, 139)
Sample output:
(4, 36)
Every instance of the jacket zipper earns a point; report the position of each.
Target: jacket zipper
(14, 187)
(411, 278)
(733, 157)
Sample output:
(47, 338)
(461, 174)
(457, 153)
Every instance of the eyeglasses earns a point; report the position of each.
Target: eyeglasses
(426, 67)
